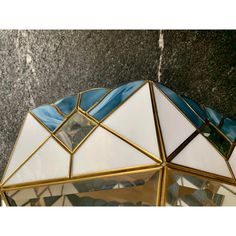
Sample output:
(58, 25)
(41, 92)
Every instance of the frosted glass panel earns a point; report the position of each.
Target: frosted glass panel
(49, 162)
(31, 136)
(174, 126)
(103, 151)
(134, 120)
(199, 154)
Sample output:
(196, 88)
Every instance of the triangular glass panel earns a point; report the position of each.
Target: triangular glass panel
(175, 127)
(134, 120)
(213, 116)
(104, 152)
(89, 98)
(201, 155)
(67, 104)
(32, 134)
(114, 99)
(41, 166)
(48, 116)
(178, 101)
(74, 130)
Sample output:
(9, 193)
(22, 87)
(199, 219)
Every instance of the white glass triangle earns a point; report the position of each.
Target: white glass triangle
(49, 162)
(199, 154)
(30, 137)
(103, 151)
(134, 120)
(175, 127)
(232, 161)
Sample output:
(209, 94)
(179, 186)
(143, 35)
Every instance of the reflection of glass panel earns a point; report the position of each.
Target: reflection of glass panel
(135, 189)
(229, 129)
(218, 140)
(74, 130)
(213, 116)
(188, 190)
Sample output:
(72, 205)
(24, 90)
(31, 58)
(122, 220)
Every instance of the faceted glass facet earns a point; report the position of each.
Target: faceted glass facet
(74, 130)
(67, 104)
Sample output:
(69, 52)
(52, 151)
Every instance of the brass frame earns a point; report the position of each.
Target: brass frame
(162, 164)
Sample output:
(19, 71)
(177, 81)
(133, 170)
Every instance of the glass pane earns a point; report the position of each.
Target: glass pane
(188, 190)
(74, 130)
(217, 139)
(114, 99)
(67, 104)
(137, 189)
(49, 116)
(195, 107)
(89, 98)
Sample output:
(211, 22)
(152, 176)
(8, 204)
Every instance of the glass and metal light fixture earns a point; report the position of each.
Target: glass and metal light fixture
(139, 144)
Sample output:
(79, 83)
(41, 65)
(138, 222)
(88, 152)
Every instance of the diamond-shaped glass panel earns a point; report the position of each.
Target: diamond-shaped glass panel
(74, 130)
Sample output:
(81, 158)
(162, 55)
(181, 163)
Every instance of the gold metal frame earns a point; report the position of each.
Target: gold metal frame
(162, 164)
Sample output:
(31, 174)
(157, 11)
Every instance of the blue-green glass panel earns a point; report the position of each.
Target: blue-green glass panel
(89, 98)
(49, 116)
(181, 105)
(67, 104)
(213, 116)
(196, 107)
(114, 99)
(229, 129)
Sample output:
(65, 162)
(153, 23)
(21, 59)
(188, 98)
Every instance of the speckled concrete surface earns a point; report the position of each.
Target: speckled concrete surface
(39, 67)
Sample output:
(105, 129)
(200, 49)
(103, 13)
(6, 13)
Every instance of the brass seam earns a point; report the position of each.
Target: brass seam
(9, 177)
(157, 123)
(58, 110)
(203, 174)
(70, 166)
(230, 151)
(159, 187)
(184, 144)
(230, 169)
(78, 100)
(163, 187)
(49, 182)
(154, 158)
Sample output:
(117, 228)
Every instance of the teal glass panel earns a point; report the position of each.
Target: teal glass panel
(48, 116)
(229, 129)
(213, 116)
(89, 98)
(114, 99)
(195, 107)
(181, 105)
(67, 104)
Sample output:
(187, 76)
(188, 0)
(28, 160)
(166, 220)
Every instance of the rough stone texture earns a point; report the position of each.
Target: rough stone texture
(39, 67)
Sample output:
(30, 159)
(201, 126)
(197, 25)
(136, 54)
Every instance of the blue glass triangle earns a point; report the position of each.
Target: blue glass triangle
(67, 104)
(229, 129)
(89, 98)
(213, 116)
(114, 99)
(48, 116)
(181, 105)
(195, 107)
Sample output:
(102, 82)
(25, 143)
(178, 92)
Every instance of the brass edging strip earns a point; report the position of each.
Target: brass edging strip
(163, 187)
(157, 123)
(132, 170)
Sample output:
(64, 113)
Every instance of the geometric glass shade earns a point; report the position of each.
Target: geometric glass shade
(140, 144)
